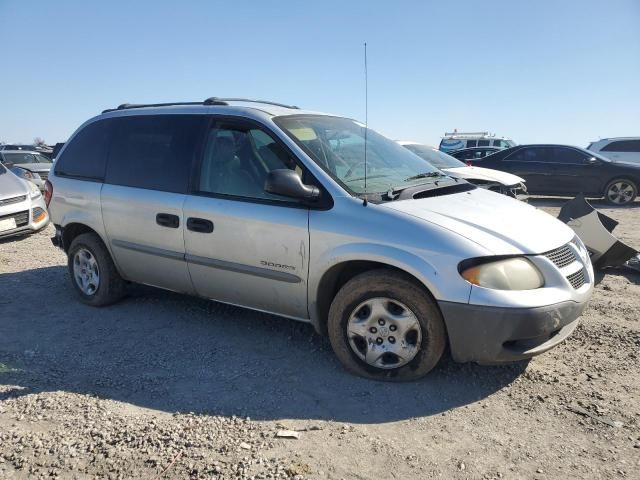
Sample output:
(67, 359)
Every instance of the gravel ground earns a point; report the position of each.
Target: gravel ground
(166, 386)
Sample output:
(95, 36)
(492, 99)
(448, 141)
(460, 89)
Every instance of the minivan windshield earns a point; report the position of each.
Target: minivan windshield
(434, 157)
(338, 146)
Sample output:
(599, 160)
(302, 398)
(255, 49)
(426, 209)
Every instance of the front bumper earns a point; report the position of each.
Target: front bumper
(28, 216)
(490, 335)
(32, 227)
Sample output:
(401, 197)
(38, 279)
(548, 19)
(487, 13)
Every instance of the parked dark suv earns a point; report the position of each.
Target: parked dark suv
(566, 171)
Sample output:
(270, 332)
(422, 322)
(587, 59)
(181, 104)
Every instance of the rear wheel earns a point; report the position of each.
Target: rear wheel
(620, 191)
(93, 273)
(384, 326)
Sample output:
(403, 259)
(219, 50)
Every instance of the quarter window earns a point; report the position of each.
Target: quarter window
(238, 159)
(154, 152)
(85, 155)
(623, 146)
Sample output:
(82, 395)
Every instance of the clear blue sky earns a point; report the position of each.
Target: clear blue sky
(536, 71)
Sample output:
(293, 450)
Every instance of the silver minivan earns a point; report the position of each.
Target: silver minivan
(316, 218)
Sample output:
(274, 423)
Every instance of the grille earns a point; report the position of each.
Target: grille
(576, 279)
(9, 201)
(561, 257)
(22, 218)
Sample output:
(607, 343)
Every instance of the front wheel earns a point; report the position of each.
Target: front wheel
(620, 191)
(384, 326)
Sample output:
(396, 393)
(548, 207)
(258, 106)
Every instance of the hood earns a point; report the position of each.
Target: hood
(487, 174)
(623, 163)
(502, 225)
(12, 186)
(34, 167)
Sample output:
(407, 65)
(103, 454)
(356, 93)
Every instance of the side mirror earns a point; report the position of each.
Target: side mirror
(288, 183)
(593, 161)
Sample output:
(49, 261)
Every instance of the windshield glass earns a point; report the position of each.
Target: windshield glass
(2, 169)
(337, 145)
(18, 158)
(434, 157)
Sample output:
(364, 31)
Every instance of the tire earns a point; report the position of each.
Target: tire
(88, 253)
(620, 191)
(357, 306)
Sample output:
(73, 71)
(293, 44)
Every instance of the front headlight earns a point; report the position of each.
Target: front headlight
(35, 191)
(516, 273)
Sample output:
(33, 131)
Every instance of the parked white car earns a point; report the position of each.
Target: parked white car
(621, 149)
(22, 208)
(494, 180)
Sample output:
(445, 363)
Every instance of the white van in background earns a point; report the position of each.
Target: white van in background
(453, 141)
(620, 149)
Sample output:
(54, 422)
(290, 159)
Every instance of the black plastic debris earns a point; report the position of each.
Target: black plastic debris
(595, 229)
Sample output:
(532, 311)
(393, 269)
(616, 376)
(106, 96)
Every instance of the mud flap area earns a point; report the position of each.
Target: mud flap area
(595, 230)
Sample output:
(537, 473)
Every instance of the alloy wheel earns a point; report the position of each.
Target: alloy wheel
(620, 192)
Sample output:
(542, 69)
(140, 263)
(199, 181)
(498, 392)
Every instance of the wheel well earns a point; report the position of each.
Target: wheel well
(338, 275)
(631, 178)
(71, 231)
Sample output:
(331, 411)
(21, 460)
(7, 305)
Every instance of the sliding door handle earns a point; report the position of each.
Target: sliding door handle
(168, 220)
(199, 225)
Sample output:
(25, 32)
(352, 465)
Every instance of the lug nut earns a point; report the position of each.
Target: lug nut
(373, 330)
(392, 339)
(393, 328)
(379, 341)
(381, 321)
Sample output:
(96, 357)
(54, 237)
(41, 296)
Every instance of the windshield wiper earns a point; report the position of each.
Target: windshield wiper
(425, 175)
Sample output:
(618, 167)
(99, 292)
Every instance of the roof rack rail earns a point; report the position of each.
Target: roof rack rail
(469, 134)
(127, 106)
(223, 101)
(208, 101)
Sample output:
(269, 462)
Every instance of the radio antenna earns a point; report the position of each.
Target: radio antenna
(366, 121)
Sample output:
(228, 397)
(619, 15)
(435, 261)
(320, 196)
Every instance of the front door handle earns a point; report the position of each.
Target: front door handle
(199, 225)
(168, 220)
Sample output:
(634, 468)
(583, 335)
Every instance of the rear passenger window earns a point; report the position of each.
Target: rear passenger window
(535, 154)
(483, 143)
(154, 152)
(85, 155)
(623, 146)
(471, 143)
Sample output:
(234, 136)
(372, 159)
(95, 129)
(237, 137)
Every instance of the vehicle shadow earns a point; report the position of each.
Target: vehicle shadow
(14, 238)
(628, 273)
(595, 202)
(174, 353)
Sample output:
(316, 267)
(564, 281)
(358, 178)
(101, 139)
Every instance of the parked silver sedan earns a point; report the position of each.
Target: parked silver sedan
(22, 207)
(31, 162)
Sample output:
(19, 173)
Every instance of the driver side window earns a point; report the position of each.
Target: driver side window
(238, 159)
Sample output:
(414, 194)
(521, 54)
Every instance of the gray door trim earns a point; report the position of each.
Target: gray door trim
(160, 252)
(241, 268)
(210, 262)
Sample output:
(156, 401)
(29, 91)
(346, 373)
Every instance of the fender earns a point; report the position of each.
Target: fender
(423, 270)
